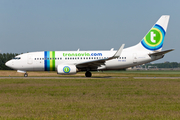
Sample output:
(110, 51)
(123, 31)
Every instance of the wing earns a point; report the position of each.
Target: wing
(95, 63)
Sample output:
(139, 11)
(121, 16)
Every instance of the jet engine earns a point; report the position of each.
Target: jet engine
(66, 69)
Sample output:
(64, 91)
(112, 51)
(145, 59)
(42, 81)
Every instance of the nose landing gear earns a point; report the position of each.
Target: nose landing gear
(25, 75)
(22, 71)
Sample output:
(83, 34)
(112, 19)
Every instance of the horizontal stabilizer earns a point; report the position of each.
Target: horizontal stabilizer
(160, 53)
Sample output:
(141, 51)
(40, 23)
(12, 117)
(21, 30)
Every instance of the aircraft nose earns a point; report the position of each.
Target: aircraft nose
(8, 63)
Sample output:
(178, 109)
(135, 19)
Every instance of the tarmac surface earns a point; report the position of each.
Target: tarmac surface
(60, 77)
(88, 77)
(156, 77)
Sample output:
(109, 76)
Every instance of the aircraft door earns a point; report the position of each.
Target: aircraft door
(30, 59)
(135, 60)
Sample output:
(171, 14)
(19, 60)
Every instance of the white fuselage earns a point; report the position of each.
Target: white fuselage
(37, 61)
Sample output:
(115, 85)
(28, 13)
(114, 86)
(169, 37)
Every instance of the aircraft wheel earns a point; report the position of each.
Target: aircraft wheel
(88, 74)
(25, 75)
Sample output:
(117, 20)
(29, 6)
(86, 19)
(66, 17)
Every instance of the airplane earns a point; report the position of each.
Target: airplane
(70, 62)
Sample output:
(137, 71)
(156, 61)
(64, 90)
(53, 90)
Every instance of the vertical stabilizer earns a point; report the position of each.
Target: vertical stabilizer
(154, 39)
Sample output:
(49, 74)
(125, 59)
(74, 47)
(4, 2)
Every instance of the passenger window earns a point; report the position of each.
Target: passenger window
(34, 58)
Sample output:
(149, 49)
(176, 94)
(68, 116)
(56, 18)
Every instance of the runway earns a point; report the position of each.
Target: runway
(156, 77)
(62, 77)
(107, 77)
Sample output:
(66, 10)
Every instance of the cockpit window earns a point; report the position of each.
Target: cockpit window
(17, 58)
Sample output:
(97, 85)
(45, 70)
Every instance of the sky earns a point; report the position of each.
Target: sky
(61, 25)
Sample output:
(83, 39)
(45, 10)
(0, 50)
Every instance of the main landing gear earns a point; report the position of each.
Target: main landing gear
(88, 74)
(25, 75)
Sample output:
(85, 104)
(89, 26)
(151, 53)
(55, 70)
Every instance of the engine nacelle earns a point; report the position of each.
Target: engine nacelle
(66, 69)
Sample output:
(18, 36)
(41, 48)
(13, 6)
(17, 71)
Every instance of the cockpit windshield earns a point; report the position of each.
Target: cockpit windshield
(17, 58)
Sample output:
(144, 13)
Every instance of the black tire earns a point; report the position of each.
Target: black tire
(25, 75)
(88, 74)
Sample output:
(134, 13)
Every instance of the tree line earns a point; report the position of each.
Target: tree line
(4, 57)
(164, 65)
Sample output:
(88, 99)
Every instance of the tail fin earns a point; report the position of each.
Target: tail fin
(155, 37)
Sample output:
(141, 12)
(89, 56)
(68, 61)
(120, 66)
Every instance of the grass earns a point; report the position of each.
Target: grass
(85, 99)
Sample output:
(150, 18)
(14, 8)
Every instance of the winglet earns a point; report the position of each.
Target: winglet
(118, 53)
